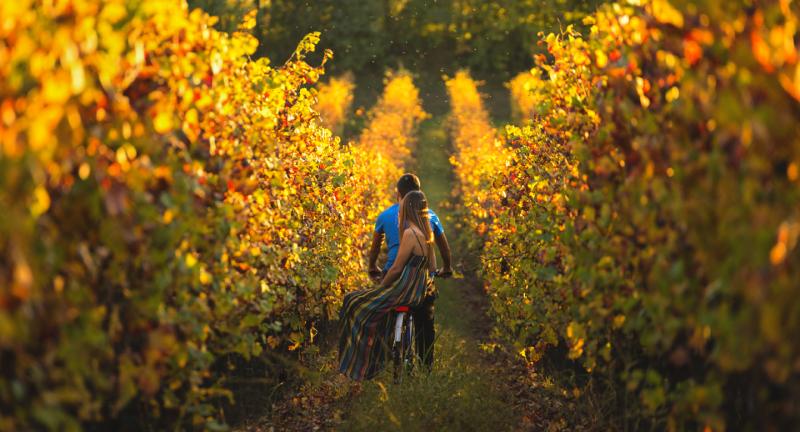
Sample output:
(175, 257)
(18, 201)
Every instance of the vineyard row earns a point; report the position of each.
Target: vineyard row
(644, 213)
(156, 183)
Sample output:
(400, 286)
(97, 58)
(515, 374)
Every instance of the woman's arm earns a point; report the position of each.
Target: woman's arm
(403, 253)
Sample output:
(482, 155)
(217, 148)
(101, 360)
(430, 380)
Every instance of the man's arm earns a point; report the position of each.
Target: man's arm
(374, 250)
(444, 249)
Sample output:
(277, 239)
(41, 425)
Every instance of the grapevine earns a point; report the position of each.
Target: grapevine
(156, 180)
(479, 154)
(641, 205)
(334, 100)
(394, 119)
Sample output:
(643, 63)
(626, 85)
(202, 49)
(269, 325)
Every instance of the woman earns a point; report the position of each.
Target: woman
(364, 318)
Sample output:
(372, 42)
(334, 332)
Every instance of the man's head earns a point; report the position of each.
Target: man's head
(408, 182)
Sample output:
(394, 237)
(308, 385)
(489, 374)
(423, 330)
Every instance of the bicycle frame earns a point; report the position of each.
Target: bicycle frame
(403, 343)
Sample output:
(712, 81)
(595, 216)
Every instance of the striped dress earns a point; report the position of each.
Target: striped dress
(364, 319)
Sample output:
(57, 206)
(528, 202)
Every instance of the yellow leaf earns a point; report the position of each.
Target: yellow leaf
(664, 12)
(216, 63)
(673, 94)
(163, 122)
(205, 277)
(601, 58)
(56, 89)
(114, 11)
(41, 201)
(84, 171)
(78, 78)
(249, 20)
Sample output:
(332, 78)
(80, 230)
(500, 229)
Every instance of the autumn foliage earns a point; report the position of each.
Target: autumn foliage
(173, 207)
(523, 87)
(393, 121)
(155, 183)
(479, 155)
(334, 100)
(648, 220)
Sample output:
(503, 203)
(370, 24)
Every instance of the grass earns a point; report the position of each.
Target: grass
(456, 395)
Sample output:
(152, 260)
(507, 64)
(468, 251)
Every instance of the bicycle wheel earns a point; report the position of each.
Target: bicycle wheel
(410, 345)
(398, 351)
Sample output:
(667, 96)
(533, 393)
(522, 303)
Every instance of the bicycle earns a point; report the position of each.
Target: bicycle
(403, 339)
(403, 346)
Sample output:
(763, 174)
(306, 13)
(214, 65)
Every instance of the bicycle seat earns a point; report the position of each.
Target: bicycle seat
(401, 309)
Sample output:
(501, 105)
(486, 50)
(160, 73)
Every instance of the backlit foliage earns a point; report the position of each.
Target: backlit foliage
(157, 187)
(651, 214)
(479, 154)
(334, 100)
(392, 124)
(523, 87)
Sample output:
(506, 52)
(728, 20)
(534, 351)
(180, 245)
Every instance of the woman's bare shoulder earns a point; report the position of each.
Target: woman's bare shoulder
(411, 232)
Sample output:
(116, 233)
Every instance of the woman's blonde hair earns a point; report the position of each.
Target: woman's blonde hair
(414, 210)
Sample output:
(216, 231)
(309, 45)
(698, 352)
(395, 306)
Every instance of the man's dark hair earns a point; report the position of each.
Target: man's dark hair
(407, 183)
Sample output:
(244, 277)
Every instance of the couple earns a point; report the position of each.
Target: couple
(410, 229)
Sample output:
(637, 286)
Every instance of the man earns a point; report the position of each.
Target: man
(387, 227)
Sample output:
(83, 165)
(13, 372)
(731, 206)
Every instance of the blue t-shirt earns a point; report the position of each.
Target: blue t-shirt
(387, 224)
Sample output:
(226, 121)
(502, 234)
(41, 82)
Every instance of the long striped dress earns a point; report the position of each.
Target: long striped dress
(364, 319)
